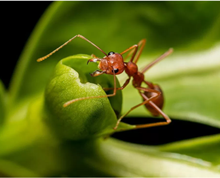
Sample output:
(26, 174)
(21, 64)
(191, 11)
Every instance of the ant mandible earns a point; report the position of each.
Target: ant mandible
(113, 64)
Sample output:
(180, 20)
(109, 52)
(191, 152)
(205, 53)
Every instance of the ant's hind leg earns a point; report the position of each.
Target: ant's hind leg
(139, 126)
(166, 122)
(157, 94)
(167, 53)
(167, 119)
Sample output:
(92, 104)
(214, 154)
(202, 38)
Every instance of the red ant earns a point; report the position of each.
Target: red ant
(113, 64)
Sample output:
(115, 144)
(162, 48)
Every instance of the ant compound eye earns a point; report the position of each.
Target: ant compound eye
(110, 53)
(116, 71)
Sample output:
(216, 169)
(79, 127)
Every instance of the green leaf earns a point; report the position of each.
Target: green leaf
(152, 162)
(189, 79)
(205, 148)
(2, 103)
(7, 166)
(86, 118)
(21, 134)
(117, 158)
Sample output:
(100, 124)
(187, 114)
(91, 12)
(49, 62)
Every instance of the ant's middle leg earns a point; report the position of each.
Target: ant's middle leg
(120, 88)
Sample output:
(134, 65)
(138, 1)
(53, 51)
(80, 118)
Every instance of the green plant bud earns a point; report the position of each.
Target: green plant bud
(85, 118)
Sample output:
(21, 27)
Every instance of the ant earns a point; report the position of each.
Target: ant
(113, 64)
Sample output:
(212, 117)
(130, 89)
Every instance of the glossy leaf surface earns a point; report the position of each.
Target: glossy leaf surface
(189, 78)
(87, 118)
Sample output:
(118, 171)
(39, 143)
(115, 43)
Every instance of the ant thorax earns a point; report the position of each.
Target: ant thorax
(131, 69)
(113, 63)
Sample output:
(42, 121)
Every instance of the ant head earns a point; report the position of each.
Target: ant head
(110, 64)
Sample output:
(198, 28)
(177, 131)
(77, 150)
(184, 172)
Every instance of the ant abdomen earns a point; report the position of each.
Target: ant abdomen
(159, 101)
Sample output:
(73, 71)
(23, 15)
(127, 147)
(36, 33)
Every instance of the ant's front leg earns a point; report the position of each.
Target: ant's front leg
(120, 88)
(141, 44)
(133, 50)
(93, 56)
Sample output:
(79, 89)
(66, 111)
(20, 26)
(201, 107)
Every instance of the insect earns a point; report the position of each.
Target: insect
(114, 64)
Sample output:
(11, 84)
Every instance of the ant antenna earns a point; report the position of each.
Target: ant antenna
(80, 36)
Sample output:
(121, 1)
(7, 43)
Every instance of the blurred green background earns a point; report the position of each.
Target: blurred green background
(189, 78)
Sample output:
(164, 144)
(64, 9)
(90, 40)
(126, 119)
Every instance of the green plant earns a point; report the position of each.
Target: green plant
(37, 135)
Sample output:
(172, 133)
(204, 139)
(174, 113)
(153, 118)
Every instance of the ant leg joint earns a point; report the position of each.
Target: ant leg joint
(169, 121)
